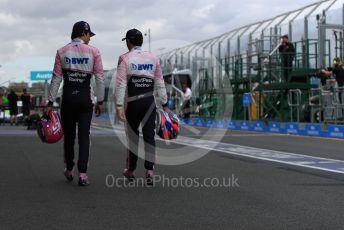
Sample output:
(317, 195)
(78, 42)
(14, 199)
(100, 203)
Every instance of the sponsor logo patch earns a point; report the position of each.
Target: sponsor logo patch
(141, 66)
(76, 61)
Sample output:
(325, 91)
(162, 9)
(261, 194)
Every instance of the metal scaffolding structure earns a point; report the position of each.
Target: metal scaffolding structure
(246, 60)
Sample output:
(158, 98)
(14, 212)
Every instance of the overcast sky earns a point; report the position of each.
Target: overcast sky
(32, 32)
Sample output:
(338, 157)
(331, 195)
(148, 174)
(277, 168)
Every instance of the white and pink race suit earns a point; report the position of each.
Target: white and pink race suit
(75, 64)
(139, 86)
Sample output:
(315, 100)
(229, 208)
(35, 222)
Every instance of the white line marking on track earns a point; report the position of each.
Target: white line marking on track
(287, 158)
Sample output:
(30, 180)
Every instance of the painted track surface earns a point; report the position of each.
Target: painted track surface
(270, 195)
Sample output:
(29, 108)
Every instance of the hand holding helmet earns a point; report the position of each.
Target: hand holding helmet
(167, 109)
(99, 109)
(49, 127)
(120, 113)
(167, 125)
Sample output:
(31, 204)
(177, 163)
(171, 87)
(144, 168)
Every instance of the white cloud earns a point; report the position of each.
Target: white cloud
(211, 28)
(156, 25)
(37, 29)
(23, 47)
(204, 11)
(7, 19)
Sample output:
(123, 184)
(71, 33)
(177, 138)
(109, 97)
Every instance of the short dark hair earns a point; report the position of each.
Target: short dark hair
(134, 36)
(136, 41)
(80, 28)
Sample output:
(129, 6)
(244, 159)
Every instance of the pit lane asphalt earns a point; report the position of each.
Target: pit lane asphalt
(35, 195)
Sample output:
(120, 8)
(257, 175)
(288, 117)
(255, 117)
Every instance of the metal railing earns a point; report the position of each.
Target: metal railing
(328, 107)
(338, 102)
(328, 103)
(294, 102)
(315, 102)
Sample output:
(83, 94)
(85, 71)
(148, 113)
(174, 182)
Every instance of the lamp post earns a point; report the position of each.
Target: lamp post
(149, 39)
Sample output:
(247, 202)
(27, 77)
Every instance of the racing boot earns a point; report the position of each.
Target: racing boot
(149, 178)
(128, 174)
(83, 180)
(68, 174)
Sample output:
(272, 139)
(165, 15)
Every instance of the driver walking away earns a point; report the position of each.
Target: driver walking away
(75, 64)
(139, 79)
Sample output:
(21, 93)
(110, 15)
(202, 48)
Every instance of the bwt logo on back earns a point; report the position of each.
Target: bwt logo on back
(76, 60)
(142, 66)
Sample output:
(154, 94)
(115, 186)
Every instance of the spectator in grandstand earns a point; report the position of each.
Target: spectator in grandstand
(187, 98)
(12, 104)
(287, 53)
(337, 71)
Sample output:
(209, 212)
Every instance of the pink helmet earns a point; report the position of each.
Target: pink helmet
(167, 125)
(49, 128)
